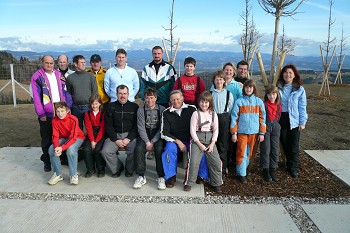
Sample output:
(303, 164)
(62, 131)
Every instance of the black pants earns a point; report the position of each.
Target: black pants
(46, 138)
(223, 138)
(93, 157)
(290, 142)
(140, 159)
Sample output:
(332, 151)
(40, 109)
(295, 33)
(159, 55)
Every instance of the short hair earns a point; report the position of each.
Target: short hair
(272, 89)
(296, 79)
(249, 83)
(190, 60)
(242, 63)
(173, 92)
(95, 97)
(157, 47)
(76, 58)
(121, 50)
(219, 74)
(61, 104)
(121, 87)
(61, 55)
(206, 96)
(150, 92)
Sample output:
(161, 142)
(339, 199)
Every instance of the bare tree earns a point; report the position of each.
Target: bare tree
(285, 44)
(341, 57)
(328, 43)
(278, 8)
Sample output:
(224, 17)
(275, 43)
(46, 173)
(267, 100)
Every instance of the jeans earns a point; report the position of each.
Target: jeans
(79, 111)
(72, 155)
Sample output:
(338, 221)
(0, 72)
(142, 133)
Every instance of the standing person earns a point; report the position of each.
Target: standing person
(81, 85)
(159, 75)
(222, 103)
(148, 125)
(95, 127)
(204, 132)
(190, 84)
(175, 130)
(99, 72)
(47, 87)
(294, 115)
(242, 74)
(66, 136)
(247, 126)
(120, 74)
(270, 147)
(63, 65)
(121, 130)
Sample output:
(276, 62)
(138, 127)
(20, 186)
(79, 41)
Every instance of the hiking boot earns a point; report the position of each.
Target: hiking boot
(170, 183)
(55, 179)
(74, 180)
(47, 167)
(187, 188)
(139, 182)
(199, 180)
(242, 179)
(161, 183)
(100, 173)
(273, 174)
(150, 155)
(266, 175)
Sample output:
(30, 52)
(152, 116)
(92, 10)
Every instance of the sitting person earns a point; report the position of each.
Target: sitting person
(175, 130)
(66, 136)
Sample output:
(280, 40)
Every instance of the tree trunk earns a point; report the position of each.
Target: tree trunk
(274, 49)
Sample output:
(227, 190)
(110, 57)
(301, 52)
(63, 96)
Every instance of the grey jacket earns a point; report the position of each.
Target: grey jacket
(149, 122)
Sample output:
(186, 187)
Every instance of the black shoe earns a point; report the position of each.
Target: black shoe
(170, 183)
(187, 188)
(294, 173)
(266, 175)
(118, 173)
(242, 179)
(127, 174)
(199, 180)
(273, 174)
(47, 167)
(217, 189)
(100, 173)
(89, 173)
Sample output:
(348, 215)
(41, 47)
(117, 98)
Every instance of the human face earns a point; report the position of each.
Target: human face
(81, 65)
(95, 65)
(288, 76)
(189, 69)
(95, 106)
(150, 101)
(219, 83)
(61, 113)
(121, 60)
(157, 55)
(249, 90)
(204, 105)
(122, 95)
(229, 72)
(63, 62)
(176, 100)
(48, 64)
(242, 71)
(272, 97)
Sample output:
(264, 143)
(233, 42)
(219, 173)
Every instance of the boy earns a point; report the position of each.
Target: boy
(190, 84)
(66, 136)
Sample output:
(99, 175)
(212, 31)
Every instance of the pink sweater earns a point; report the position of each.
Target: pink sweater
(212, 126)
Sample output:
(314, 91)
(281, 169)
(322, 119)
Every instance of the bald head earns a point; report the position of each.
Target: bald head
(63, 62)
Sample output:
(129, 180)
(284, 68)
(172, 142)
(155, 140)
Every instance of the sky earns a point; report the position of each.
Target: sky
(66, 25)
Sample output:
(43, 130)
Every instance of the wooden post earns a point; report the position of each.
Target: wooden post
(279, 67)
(166, 51)
(326, 67)
(262, 69)
(340, 64)
(177, 47)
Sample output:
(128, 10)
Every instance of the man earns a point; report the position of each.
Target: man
(242, 74)
(159, 75)
(121, 130)
(99, 72)
(81, 85)
(120, 74)
(148, 125)
(175, 129)
(63, 65)
(47, 87)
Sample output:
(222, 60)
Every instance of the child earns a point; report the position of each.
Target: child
(95, 127)
(248, 121)
(269, 148)
(66, 136)
(190, 84)
(222, 103)
(204, 132)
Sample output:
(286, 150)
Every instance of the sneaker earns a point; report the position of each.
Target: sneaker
(161, 183)
(150, 155)
(55, 179)
(139, 182)
(47, 167)
(74, 180)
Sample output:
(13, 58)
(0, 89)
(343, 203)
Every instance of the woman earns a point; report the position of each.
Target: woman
(294, 115)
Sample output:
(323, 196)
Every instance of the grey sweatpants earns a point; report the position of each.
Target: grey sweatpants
(213, 161)
(270, 147)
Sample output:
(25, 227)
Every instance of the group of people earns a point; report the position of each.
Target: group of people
(94, 109)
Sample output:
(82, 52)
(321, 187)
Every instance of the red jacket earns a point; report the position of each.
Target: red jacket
(66, 128)
(189, 85)
(94, 121)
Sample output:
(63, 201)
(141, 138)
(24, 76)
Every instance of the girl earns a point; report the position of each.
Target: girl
(269, 148)
(222, 104)
(204, 133)
(247, 125)
(95, 128)
(293, 117)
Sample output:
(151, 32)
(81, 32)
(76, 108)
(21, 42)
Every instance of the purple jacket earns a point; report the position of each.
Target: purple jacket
(41, 92)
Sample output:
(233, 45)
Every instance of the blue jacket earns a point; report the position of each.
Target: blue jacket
(296, 104)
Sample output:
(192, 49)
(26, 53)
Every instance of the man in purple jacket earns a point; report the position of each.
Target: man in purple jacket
(47, 87)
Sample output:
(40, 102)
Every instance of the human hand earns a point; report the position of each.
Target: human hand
(149, 146)
(234, 138)
(126, 141)
(119, 143)
(261, 138)
(58, 151)
(301, 127)
(93, 144)
(181, 145)
(210, 148)
(43, 118)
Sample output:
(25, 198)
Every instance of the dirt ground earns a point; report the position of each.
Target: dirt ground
(328, 128)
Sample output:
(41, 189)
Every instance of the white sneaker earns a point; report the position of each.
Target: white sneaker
(161, 183)
(150, 155)
(139, 182)
(55, 179)
(74, 180)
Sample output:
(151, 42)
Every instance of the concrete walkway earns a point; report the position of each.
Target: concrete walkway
(22, 172)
